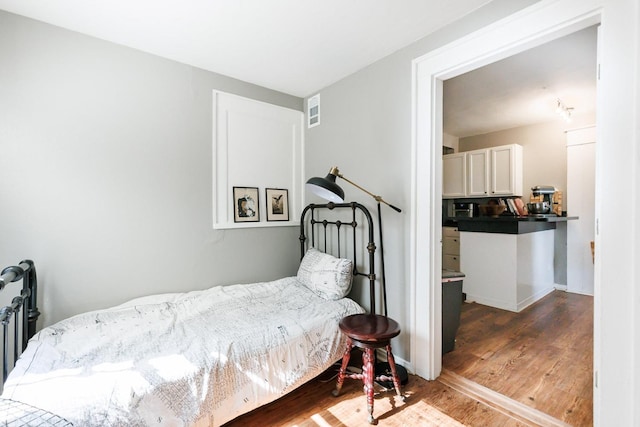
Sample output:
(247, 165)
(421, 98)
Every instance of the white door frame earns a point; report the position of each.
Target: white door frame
(533, 26)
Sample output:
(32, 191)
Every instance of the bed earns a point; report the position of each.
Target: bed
(199, 358)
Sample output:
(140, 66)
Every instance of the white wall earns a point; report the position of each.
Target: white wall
(106, 173)
(366, 132)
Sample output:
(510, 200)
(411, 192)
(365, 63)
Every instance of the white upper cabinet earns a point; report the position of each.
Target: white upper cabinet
(506, 170)
(477, 173)
(454, 177)
(495, 171)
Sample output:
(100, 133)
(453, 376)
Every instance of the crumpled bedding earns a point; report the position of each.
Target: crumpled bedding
(194, 359)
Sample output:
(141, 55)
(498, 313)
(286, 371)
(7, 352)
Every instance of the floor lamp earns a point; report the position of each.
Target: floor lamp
(328, 189)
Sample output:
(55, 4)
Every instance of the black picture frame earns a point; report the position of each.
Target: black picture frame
(277, 203)
(246, 204)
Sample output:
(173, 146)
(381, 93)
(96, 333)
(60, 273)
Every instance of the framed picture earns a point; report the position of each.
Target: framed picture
(277, 204)
(245, 204)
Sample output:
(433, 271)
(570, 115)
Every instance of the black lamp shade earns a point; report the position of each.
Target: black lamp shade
(326, 188)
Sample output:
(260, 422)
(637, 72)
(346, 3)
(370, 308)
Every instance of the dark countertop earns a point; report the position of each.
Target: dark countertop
(507, 224)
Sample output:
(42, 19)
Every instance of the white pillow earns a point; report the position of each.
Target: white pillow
(327, 276)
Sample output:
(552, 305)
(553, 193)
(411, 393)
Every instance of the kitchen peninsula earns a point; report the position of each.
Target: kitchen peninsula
(508, 260)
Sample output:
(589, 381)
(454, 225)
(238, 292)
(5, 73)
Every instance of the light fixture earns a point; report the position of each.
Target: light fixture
(564, 111)
(328, 189)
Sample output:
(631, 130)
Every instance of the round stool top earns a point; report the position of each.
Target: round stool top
(369, 327)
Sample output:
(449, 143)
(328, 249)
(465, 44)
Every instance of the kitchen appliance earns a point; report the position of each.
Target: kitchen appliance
(539, 208)
(543, 194)
(462, 210)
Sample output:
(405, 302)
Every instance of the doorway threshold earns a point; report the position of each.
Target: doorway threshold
(501, 403)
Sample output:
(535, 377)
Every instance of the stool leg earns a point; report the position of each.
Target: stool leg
(394, 372)
(343, 368)
(369, 374)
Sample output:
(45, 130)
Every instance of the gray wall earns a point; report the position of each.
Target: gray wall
(106, 173)
(365, 130)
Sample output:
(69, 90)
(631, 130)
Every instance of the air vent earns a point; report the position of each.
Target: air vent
(313, 111)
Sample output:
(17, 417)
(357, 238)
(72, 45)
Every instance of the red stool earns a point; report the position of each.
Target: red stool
(369, 332)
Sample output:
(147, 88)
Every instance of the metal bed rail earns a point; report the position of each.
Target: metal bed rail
(26, 303)
(318, 233)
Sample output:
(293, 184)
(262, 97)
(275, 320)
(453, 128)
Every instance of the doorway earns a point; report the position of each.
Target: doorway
(500, 41)
(514, 100)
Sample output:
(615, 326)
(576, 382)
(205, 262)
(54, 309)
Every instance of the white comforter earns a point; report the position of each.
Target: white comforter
(195, 359)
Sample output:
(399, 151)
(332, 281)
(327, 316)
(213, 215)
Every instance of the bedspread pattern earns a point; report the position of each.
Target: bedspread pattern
(199, 358)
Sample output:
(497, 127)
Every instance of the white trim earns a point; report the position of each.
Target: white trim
(581, 136)
(538, 24)
(559, 287)
(503, 404)
(253, 111)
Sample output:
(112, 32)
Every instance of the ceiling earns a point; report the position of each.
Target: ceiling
(300, 47)
(293, 46)
(524, 89)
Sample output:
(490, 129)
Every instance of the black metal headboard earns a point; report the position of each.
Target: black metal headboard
(318, 226)
(27, 300)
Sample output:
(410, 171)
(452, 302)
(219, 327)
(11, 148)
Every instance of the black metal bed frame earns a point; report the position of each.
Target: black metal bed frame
(27, 299)
(320, 226)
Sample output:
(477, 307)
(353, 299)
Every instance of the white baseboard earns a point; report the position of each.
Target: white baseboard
(560, 287)
(534, 298)
(510, 305)
(381, 354)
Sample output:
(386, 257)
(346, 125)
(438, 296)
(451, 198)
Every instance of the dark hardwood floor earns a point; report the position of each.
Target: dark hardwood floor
(541, 358)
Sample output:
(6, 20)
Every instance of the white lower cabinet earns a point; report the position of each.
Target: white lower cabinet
(507, 271)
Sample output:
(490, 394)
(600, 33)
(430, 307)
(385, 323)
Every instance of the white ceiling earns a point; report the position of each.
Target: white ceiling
(524, 89)
(301, 46)
(293, 46)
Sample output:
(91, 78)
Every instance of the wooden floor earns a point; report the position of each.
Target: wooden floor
(428, 403)
(540, 358)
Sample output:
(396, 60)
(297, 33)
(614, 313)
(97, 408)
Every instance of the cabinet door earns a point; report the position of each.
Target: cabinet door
(477, 173)
(451, 262)
(506, 170)
(450, 232)
(451, 246)
(454, 176)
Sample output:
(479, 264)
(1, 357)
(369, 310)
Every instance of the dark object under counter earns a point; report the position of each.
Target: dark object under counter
(508, 224)
(451, 307)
